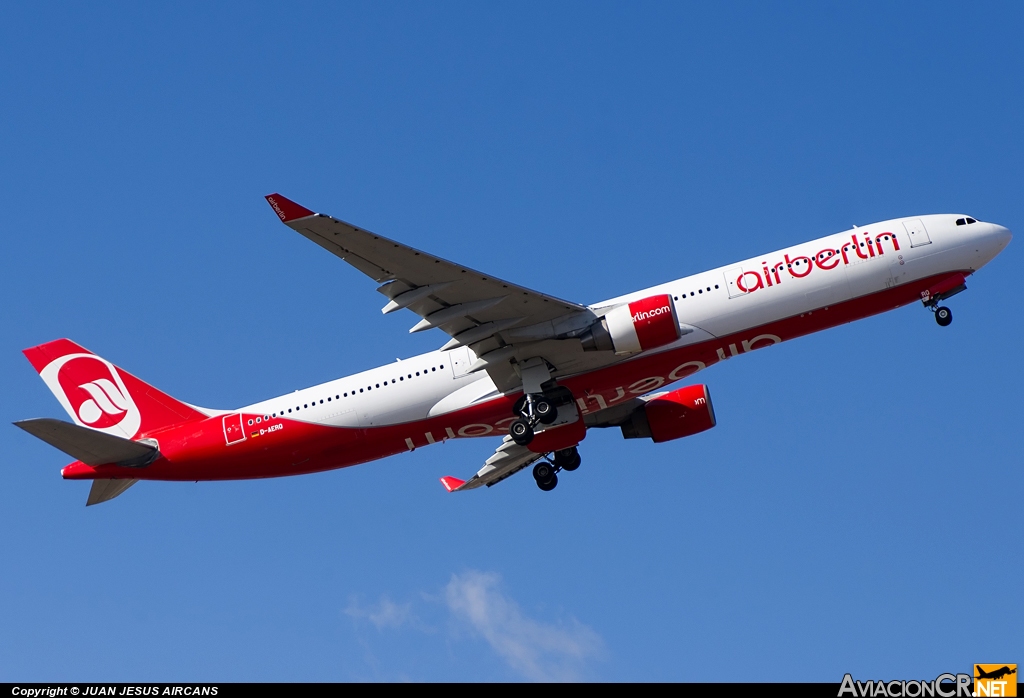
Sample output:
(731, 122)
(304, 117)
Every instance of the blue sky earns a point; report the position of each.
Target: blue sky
(851, 512)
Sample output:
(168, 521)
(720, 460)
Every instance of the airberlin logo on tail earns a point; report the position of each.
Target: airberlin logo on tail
(106, 399)
(92, 392)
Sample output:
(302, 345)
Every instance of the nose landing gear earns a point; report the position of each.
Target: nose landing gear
(945, 289)
(546, 472)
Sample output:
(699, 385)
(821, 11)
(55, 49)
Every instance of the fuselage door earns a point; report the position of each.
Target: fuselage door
(461, 359)
(732, 282)
(234, 431)
(917, 232)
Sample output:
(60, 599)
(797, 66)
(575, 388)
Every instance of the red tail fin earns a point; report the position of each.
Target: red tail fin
(99, 395)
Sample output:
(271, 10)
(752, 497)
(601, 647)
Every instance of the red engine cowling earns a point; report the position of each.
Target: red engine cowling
(628, 329)
(682, 412)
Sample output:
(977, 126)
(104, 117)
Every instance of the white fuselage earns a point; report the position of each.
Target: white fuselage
(723, 301)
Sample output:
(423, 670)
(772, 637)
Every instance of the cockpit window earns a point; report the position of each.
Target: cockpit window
(971, 220)
(965, 221)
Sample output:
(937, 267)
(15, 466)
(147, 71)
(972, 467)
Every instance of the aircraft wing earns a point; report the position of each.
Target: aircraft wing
(508, 459)
(496, 318)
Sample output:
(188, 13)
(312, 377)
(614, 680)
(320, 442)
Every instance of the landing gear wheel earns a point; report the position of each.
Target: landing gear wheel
(545, 411)
(544, 474)
(548, 485)
(943, 316)
(568, 459)
(521, 432)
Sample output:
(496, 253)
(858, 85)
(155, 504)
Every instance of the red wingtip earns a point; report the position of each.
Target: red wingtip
(452, 483)
(287, 209)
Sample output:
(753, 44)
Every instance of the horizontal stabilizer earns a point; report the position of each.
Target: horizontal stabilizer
(104, 490)
(88, 445)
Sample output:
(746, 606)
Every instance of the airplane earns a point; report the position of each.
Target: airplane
(995, 674)
(535, 370)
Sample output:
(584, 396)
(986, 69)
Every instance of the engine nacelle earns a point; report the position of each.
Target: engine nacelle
(682, 412)
(628, 329)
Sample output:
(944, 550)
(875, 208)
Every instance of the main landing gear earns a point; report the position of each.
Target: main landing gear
(532, 410)
(546, 472)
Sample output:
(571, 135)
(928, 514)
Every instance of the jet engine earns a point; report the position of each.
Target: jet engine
(680, 413)
(634, 327)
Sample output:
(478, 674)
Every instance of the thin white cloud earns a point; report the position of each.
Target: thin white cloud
(384, 614)
(539, 651)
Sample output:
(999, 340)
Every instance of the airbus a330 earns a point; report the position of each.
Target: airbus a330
(533, 370)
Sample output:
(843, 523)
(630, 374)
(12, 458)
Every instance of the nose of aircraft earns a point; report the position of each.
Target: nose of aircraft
(1001, 237)
(991, 243)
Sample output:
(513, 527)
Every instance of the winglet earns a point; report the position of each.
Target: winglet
(452, 483)
(286, 209)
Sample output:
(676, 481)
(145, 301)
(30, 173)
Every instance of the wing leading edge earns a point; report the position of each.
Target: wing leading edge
(499, 320)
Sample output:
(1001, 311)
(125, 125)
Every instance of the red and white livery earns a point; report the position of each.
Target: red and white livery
(534, 370)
